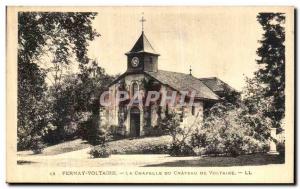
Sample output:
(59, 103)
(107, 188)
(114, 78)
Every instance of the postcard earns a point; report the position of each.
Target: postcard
(160, 94)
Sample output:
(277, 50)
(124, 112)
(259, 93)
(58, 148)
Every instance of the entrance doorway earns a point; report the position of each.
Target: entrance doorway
(134, 122)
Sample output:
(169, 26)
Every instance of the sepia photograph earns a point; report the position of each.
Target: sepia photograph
(170, 94)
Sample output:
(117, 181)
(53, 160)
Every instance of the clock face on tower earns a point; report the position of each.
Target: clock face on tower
(135, 62)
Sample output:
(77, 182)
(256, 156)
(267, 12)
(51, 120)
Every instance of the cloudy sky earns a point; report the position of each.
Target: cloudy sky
(217, 42)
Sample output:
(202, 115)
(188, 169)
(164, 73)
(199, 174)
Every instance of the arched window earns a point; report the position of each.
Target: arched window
(135, 88)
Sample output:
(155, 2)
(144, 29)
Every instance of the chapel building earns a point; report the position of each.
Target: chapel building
(143, 75)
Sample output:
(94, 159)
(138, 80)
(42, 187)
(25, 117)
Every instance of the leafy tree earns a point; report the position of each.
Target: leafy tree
(75, 103)
(93, 81)
(62, 34)
(63, 107)
(271, 72)
(255, 105)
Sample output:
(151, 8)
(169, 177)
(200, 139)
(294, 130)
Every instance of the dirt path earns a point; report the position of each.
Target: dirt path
(81, 158)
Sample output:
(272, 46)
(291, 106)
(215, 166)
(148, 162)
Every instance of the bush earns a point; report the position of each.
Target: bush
(225, 132)
(155, 149)
(100, 152)
(181, 149)
(37, 145)
(181, 133)
(101, 138)
(169, 124)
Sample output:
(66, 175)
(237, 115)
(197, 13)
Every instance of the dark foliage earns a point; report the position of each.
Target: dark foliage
(101, 150)
(181, 149)
(230, 130)
(76, 100)
(62, 34)
(280, 146)
(272, 64)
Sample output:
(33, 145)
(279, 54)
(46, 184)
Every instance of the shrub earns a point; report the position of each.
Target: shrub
(169, 124)
(37, 145)
(101, 138)
(225, 132)
(181, 149)
(100, 152)
(281, 148)
(181, 133)
(116, 132)
(155, 149)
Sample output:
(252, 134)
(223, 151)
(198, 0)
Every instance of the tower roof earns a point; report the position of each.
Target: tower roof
(142, 45)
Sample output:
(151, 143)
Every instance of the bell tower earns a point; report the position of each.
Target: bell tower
(142, 56)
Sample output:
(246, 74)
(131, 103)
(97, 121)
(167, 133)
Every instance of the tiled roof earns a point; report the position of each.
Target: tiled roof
(216, 84)
(142, 45)
(184, 82)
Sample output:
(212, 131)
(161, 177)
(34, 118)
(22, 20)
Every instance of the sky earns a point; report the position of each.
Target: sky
(215, 42)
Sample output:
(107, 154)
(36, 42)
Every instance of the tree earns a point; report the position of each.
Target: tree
(256, 108)
(271, 72)
(39, 33)
(93, 81)
(75, 103)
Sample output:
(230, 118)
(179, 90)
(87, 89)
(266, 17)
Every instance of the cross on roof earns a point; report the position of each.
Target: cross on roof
(143, 20)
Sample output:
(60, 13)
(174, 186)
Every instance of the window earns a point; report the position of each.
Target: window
(135, 88)
(193, 110)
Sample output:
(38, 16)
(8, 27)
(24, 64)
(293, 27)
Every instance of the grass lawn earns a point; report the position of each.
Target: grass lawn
(64, 147)
(147, 145)
(123, 146)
